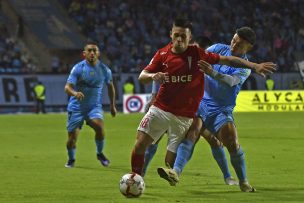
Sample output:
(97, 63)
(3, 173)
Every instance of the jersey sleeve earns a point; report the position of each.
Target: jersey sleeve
(213, 48)
(155, 64)
(74, 75)
(108, 76)
(209, 57)
(242, 74)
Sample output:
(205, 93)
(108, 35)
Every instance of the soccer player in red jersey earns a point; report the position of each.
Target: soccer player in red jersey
(176, 68)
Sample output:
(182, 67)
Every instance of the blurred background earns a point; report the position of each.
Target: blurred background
(42, 40)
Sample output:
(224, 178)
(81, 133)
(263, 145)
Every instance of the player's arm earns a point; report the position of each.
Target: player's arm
(230, 80)
(153, 71)
(69, 89)
(111, 93)
(260, 68)
(146, 77)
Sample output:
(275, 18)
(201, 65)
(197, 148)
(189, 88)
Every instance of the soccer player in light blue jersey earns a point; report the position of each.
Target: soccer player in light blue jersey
(84, 86)
(222, 85)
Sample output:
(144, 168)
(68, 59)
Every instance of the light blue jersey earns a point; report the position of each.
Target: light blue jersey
(90, 81)
(219, 98)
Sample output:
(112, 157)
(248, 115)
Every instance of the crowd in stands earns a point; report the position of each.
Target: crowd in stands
(130, 31)
(13, 59)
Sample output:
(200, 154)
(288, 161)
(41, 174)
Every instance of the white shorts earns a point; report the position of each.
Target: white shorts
(156, 122)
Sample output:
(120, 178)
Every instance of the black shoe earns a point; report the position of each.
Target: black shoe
(103, 160)
(70, 163)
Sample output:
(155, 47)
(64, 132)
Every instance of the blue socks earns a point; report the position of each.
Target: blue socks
(72, 153)
(184, 153)
(99, 146)
(220, 157)
(238, 163)
(149, 153)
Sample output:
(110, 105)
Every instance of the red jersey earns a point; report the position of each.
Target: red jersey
(184, 86)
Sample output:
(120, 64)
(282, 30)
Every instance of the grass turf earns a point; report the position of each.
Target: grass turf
(32, 158)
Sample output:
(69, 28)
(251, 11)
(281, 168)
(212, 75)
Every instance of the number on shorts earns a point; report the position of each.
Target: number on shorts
(144, 123)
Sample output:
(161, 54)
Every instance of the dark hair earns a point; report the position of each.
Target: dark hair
(203, 41)
(184, 23)
(90, 42)
(247, 34)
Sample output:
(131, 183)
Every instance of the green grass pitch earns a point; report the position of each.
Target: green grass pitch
(33, 154)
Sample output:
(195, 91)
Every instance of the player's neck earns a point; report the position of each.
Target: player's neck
(178, 50)
(92, 63)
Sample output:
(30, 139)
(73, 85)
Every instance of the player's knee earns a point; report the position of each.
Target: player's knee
(98, 129)
(193, 134)
(71, 143)
(233, 147)
(214, 142)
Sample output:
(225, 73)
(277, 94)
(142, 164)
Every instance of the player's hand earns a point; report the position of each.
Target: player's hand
(160, 77)
(79, 96)
(265, 68)
(113, 111)
(204, 67)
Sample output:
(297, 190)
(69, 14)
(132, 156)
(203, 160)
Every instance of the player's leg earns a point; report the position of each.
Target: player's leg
(98, 126)
(143, 140)
(178, 144)
(186, 147)
(228, 135)
(219, 155)
(71, 148)
(151, 128)
(74, 124)
(149, 154)
(170, 159)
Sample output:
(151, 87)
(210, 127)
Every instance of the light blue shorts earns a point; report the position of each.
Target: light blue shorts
(215, 120)
(76, 118)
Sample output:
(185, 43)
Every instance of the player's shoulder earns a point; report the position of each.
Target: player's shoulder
(222, 49)
(104, 67)
(78, 66)
(218, 47)
(164, 50)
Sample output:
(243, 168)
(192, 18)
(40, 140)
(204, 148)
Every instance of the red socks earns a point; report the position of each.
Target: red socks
(137, 162)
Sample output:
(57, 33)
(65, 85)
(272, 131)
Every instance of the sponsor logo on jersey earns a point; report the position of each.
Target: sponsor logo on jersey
(178, 78)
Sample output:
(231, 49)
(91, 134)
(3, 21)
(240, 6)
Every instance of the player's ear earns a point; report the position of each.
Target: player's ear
(83, 54)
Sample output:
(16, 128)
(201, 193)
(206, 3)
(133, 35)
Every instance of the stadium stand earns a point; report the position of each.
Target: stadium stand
(130, 32)
(14, 58)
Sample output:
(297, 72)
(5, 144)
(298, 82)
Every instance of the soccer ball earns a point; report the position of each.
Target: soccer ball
(131, 185)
